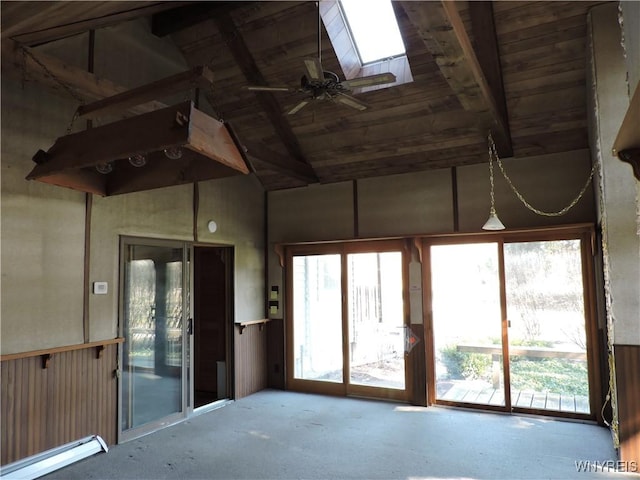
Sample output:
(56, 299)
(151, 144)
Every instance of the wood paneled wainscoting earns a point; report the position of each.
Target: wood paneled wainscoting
(250, 357)
(627, 359)
(55, 396)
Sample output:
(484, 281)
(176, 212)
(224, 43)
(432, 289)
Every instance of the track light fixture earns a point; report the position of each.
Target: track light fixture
(171, 146)
(138, 160)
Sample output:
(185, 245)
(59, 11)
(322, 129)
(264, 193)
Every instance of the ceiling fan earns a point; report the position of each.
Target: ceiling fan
(320, 84)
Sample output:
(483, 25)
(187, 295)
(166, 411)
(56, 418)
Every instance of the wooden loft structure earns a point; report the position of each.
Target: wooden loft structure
(213, 143)
(171, 146)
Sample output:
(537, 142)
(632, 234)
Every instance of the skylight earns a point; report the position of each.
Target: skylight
(374, 29)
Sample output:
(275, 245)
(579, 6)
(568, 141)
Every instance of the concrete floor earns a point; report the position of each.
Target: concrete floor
(283, 435)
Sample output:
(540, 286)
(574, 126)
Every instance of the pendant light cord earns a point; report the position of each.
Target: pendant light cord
(494, 154)
(492, 211)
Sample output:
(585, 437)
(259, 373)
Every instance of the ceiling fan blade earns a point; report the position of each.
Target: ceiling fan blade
(298, 107)
(259, 88)
(314, 69)
(378, 79)
(350, 101)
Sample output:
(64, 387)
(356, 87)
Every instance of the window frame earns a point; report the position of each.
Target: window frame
(358, 49)
(344, 388)
(338, 30)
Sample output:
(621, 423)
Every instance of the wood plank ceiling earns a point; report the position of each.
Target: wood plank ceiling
(526, 82)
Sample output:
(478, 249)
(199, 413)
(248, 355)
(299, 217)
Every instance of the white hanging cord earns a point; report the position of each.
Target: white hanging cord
(494, 154)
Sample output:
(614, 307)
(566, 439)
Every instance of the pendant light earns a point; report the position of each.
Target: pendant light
(493, 223)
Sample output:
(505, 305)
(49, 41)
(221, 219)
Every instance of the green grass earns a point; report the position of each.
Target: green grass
(550, 375)
(540, 374)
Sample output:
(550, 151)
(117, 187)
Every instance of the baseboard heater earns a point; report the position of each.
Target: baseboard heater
(43, 463)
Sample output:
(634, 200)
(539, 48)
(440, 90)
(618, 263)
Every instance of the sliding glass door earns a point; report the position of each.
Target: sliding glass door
(547, 336)
(346, 323)
(467, 327)
(510, 325)
(317, 308)
(152, 384)
(376, 320)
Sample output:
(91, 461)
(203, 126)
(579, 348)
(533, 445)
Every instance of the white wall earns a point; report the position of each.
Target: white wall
(42, 228)
(619, 189)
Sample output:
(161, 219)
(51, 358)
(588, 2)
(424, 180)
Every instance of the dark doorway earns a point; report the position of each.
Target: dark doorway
(213, 286)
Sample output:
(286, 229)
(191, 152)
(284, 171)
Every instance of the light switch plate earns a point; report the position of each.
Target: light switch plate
(100, 288)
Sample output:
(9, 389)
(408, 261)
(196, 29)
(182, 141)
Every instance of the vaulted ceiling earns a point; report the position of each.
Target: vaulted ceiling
(517, 69)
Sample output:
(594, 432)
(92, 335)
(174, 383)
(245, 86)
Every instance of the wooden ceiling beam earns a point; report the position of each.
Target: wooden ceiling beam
(486, 48)
(235, 43)
(274, 161)
(443, 33)
(68, 25)
(199, 76)
(168, 22)
(51, 73)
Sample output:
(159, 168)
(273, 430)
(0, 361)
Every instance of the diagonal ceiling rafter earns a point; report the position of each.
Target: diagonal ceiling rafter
(444, 34)
(31, 65)
(234, 41)
(48, 21)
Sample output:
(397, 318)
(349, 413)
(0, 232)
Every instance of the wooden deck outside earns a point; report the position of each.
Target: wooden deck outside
(467, 393)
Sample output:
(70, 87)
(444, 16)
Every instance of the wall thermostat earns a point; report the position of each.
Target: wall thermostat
(100, 288)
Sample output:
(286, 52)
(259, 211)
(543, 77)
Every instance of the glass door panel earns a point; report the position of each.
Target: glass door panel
(317, 318)
(467, 327)
(376, 319)
(152, 373)
(547, 338)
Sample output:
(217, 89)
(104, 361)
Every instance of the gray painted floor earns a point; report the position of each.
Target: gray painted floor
(283, 435)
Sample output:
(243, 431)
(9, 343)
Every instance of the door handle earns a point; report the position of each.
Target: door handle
(190, 326)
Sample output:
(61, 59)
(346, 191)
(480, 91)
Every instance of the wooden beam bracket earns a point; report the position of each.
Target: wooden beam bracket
(46, 359)
(627, 143)
(279, 249)
(261, 323)
(417, 243)
(632, 157)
